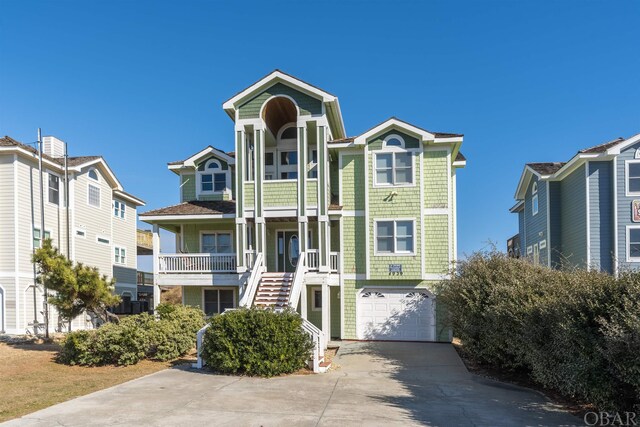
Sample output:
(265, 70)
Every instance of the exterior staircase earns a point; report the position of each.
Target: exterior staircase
(274, 290)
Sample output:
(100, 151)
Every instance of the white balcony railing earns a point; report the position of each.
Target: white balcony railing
(334, 261)
(313, 259)
(197, 263)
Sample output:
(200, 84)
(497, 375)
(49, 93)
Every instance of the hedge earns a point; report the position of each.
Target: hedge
(135, 338)
(256, 342)
(577, 331)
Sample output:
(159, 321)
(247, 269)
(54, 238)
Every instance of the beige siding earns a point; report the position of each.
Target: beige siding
(95, 222)
(7, 236)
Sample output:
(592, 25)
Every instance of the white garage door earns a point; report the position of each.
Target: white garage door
(398, 314)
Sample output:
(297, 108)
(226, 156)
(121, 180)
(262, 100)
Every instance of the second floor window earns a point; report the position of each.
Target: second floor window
(212, 178)
(394, 237)
(120, 255)
(54, 189)
(394, 168)
(216, 243)
(93, 195)
(118, 209)
(633, 177)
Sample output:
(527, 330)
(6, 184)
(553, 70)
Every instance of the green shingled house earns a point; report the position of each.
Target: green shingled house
(351, 231)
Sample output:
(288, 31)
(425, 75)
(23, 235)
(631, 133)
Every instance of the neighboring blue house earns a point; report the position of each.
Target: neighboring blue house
(585, 212)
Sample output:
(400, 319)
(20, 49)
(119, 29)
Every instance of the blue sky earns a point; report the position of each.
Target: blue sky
(142, 83)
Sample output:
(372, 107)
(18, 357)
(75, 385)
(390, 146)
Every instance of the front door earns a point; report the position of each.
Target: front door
(288, 251)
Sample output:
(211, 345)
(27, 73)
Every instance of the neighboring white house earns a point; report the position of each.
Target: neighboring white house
(98, 228)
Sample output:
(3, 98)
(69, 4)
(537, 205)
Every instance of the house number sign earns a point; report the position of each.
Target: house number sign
(635, 211)
(395, 269)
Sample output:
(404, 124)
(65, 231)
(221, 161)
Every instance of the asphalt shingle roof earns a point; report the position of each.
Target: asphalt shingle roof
(196, 207)
(602, 147)
(546, 168)
(7, 141)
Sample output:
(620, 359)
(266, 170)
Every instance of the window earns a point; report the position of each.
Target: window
(394, 237)
(394, 169)
(317, 299)
(118, 209)
(103, 240)
(288, 165)
(120, 255)
(536, 254)
(216, 301)
(534, 199)
(216, 243)
(633, 177)
(212, 178)
(633, 243)
(37, 238)
(94, 196)
(289, 133)
(269, 166)
(54, 189)
(394, 141)
(81, 233)
(93, 174)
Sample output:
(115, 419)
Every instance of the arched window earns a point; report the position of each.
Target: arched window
(212, 178)
(534, 199)
(393, 141)
(93, 174)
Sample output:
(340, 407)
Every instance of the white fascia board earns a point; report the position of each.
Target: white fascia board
(100, 161)
(190, 162)
(32, 156)
(517, 207)
(524, 179)
(393, 122)
(159, 218)
(575, 163)
(277, 77)
(129, 197)
(452, 139)
(460, 163)
(615, 150)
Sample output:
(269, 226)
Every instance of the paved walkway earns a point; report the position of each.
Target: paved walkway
(375, 384)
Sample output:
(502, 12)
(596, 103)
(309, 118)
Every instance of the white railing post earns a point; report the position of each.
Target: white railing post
(298, 280)
(246, 300)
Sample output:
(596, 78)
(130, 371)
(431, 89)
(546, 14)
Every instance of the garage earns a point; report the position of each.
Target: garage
(395, 314)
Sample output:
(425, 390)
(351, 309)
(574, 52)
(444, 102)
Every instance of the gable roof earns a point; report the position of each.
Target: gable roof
(278, 76)
(393, 121)
(75, 164)
(548, 168)
(191, 160)
(602, 147)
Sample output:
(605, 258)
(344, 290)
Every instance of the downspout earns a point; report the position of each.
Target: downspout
(66, 199)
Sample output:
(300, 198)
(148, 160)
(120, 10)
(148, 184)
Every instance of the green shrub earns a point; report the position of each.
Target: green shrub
(256, 342)
(135, 338)
(575, 331)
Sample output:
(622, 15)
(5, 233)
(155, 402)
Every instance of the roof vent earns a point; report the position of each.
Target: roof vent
(52, 146)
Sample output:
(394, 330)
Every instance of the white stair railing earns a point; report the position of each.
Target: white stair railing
(317, 336)
(313, 261)
(298, 280)
(246, 300)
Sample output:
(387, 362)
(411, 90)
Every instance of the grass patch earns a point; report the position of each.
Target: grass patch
(32, 380)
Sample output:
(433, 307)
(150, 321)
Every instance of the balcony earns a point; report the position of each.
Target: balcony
(197, 263)
(313, 260)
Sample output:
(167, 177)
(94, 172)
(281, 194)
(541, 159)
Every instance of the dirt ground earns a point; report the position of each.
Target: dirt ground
(30, 379)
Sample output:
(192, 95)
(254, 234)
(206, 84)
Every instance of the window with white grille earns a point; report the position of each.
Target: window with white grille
(93, 195)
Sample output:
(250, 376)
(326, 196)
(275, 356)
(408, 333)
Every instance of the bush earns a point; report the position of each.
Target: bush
(256, 342)
(574, 331)
(135, 338)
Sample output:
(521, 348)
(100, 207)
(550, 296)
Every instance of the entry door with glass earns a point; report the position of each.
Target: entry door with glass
(288, 250)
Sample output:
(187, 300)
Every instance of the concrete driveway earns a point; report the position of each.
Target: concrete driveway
(375, 384)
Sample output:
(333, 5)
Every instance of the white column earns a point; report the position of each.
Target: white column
(303, 302)
(326, 310)
(156, 264)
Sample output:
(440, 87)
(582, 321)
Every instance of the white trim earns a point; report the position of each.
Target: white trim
(367, 216)
(131, 198)
(449, 218)
(626, 178)
(359, 212)
(454, 208)
(16, 236)
(219, 171)
(395, 236)
(190, 162)
(422, 233)
(354, 276)
(108, 240)
(548, 187)
(80, 230)
(119, 249)
(392, 147)
(435, 211)
(588, 221)
(97, 178)
(122, 209)
(61, 202)
(629, 258)
(615, 217)
(89, 185)
(393, 122)
(3, 305)
(616, 149)
(543, 244)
